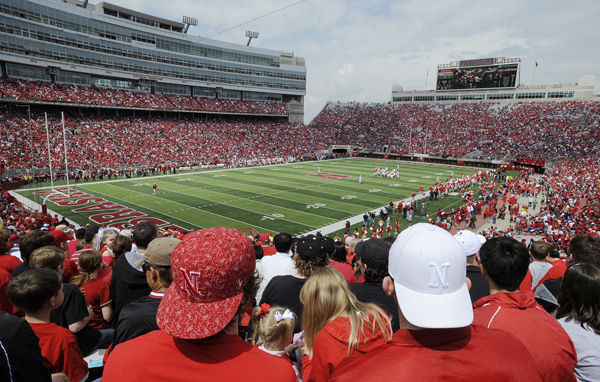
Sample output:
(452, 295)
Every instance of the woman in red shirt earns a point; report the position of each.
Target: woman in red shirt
(95, 290)
(336, 325)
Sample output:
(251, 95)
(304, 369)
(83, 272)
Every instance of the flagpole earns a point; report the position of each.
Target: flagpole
(49, 155)
(65, 147)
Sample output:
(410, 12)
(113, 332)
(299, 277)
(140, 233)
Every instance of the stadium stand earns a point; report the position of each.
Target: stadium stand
(41, 91)
(550, 130)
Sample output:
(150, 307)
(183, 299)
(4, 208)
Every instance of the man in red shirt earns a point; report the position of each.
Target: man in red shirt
(436, 340)
(198, 318)
(504, 262)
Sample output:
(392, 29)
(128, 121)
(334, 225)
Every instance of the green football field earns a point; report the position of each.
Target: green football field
(295, 198)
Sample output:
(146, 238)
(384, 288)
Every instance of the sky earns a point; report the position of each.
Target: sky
(357, 50)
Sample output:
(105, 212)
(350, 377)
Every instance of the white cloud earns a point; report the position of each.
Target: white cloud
(356, 50)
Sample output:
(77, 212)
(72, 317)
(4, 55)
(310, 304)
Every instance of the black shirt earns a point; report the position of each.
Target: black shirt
(73, 309)
(136, 318)
(127, 284)
(23, 350)
(479, 285)
(284, 291)
(373, 292)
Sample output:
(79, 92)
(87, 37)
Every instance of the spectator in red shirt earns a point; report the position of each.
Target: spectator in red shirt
(504, 262)
(436, 340)
(37, 292)
(7, 262)
(336, 325)
(198, 318)
(337, 259)
(95, 290)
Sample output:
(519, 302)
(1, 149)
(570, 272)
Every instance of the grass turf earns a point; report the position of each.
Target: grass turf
(282, 198)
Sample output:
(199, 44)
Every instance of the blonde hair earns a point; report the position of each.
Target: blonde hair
(49, 256)
(108, 233)
(275, 335)
(326, 296)
(89, 261)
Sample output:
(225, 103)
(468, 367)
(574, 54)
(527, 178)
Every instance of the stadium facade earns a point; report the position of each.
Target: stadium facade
(491, 80)
(104, 45)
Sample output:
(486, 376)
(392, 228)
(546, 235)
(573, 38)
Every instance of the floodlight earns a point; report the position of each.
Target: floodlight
(251, 35)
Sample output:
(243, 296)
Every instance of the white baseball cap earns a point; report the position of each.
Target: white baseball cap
(469, 241)
(429, 270)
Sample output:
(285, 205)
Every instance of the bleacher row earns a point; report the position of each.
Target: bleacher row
(539, 130)
(86, 95)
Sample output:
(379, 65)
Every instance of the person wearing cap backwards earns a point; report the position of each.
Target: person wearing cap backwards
(436, 340)
(139, 316)
(373, 263)
(198, 340)
(470, 243)
(504, 262)
(310, 255)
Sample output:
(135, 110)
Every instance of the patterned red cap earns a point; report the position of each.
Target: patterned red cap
(210, 269)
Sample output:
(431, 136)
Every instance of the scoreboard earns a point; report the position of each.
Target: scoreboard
(486, 73)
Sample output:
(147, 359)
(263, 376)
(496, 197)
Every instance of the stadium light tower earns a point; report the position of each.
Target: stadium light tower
(188, 21)
(251, 35)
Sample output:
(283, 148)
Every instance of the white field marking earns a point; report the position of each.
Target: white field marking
(205, 172)
(316, 205)
(189, 207)
(249, 172)
(348, 197)
(251, 198)
(144, 207)
(185, 180)
(272, 217)
(395, 185)
(275, 169)
(286, 183)
(219, 175)
(438, 173)
(374, 190)
(208, 172)
(412, 180)
(224, 203)
(426, 177)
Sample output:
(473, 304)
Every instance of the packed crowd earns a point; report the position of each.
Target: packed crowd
(90, 95)
(102, 142)
(532, 130)
(214, 304)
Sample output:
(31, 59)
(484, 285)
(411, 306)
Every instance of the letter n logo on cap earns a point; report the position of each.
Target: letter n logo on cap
(189, 282)
(438, 275)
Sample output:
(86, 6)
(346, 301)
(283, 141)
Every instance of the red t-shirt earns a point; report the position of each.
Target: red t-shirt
(97, 294)
(157, 356)
(465, 354)
(5, 303)
(60, 350)
(9, 262)
(345, 269)
(75, 255)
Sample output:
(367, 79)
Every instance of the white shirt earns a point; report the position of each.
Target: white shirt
(279, 264)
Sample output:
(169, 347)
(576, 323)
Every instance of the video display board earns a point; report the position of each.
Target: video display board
(487, 76)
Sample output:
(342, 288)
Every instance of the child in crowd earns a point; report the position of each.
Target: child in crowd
(37, 292)
(274, 330)
(104, 243)
(96, 291)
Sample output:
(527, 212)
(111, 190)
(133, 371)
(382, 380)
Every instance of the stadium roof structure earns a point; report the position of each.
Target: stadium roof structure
(106, 45)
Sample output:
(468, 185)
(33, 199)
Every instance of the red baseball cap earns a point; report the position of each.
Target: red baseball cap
(60, 237)
(210, 269)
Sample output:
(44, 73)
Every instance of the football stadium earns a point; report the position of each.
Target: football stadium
(193, 221)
